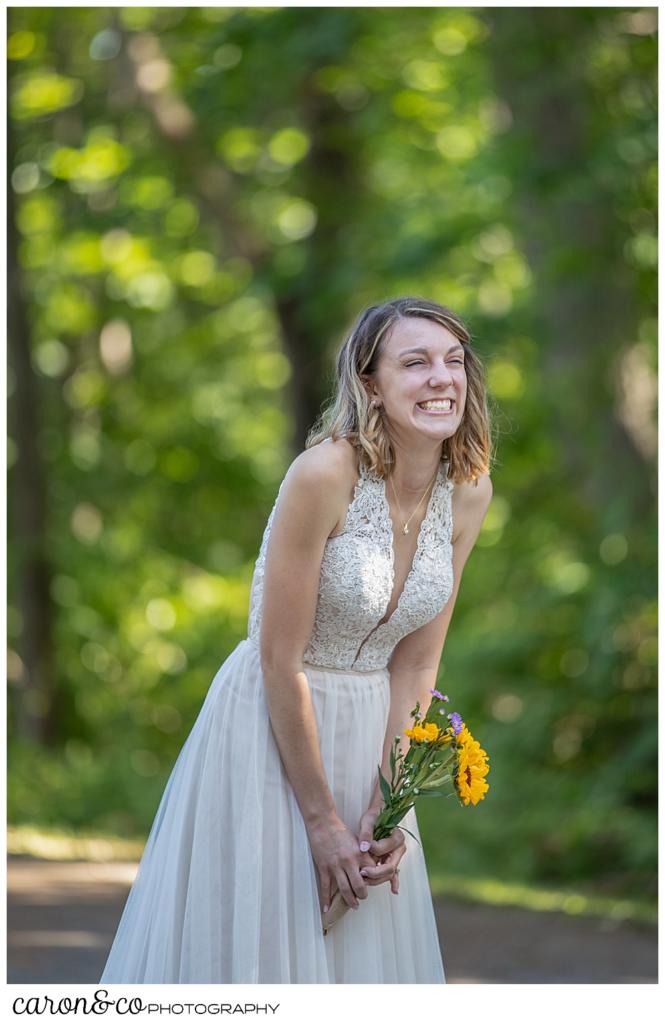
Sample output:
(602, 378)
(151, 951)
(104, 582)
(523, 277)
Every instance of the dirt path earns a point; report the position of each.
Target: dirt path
(62, 917)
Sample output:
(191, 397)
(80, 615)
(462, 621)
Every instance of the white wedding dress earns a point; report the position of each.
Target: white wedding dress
(226, 889)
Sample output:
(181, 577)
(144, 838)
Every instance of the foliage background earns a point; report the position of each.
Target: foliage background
(200, 201)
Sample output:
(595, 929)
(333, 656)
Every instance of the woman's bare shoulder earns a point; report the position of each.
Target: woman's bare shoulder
(475, 493)
(321, 480)
(330, 464)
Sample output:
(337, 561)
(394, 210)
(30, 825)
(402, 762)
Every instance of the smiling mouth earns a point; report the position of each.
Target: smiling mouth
(439, 405)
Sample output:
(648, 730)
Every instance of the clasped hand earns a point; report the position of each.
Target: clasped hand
(385, 854)
(351, 863)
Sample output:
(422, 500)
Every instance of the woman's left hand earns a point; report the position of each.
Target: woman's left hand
(382, 856)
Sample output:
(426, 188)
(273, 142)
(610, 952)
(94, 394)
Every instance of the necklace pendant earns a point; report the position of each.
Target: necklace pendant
(406, 529)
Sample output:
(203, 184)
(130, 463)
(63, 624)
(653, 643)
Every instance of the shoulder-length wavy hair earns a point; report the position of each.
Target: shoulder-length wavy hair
(350, 414)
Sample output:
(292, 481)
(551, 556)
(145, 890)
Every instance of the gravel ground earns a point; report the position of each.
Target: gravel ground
(62, 916)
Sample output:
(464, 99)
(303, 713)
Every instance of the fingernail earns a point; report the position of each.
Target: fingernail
(363, 872)
(326, 909)
(364, 846)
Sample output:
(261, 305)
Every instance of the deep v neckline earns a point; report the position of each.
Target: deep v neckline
(416, 555)
(390, 539)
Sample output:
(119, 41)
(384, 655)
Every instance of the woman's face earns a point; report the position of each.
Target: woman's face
(421, 368)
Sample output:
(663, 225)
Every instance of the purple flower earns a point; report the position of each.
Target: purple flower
(456, 722)
(436, 693)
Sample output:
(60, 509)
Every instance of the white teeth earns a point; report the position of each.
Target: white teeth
(444, 404)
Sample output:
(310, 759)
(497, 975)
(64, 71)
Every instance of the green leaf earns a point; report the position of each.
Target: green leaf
(411, 834)
(386, 791)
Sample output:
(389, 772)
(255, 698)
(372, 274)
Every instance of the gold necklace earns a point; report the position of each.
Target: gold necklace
(405, 527)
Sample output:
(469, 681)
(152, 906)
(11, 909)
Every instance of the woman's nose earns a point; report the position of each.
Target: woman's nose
(440, 375)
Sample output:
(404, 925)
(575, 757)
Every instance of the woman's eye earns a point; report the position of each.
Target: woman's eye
(421, 362)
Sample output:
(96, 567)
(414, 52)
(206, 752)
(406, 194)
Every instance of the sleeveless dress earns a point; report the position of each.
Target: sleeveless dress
(226, 889)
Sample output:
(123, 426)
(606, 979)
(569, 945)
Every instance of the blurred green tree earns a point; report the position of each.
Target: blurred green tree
(201, 199)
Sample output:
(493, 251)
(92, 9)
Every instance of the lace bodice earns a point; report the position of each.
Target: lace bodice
(357, 579)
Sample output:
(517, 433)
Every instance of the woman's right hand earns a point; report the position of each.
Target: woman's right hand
(338, 862)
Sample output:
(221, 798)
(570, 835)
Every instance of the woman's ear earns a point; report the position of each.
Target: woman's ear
(368, 385)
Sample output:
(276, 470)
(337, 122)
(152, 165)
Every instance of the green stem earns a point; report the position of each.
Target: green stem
(420, 773)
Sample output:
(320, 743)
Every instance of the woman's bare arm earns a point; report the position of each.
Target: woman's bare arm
(314, 492)
(415, 661)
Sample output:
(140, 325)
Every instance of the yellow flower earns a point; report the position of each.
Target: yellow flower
(417, 733)
(465, 739)
(432, 731)
(427, 733)
(472, 767)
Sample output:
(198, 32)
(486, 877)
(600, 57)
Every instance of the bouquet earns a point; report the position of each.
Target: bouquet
(442, 754)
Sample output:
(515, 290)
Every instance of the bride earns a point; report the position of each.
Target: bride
(270, 806)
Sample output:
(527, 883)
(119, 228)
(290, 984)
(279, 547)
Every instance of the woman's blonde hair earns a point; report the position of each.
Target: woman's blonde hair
(351, 415)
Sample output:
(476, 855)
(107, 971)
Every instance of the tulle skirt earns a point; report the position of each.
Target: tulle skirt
(226, 889)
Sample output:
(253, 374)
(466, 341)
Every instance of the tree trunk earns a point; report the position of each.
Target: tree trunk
(35, 699)
(313, 313)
